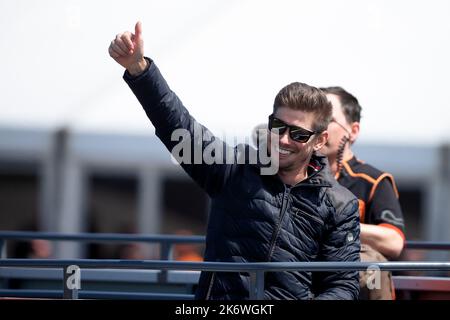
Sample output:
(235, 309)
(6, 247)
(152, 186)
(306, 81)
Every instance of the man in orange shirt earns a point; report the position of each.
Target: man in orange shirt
(382, 225)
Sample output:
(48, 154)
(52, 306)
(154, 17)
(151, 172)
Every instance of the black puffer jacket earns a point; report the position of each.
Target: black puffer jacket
(257, 218)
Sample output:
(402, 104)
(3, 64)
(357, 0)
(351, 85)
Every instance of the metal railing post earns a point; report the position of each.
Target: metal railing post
(2, 248)
(165, 254)
(71, 279)
(166, 251)
(257, 285)
(4, 282)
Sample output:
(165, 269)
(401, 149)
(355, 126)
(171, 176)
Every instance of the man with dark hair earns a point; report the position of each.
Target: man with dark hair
(382, 226)
(298, 213)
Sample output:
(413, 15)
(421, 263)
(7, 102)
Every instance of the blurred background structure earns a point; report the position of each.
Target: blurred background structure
(77, 152)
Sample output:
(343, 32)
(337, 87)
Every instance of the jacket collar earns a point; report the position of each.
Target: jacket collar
(319, 174)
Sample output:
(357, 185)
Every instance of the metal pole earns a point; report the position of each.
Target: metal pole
(72, 281)
(165, 254)
(257, 285)
(2, 249)
(166, 251)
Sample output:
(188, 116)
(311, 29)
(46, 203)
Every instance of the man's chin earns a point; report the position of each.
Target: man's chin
(284, 164)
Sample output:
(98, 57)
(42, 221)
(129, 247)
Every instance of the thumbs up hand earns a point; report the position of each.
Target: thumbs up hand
(128, 50)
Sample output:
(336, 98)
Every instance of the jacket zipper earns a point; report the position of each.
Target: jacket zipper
(309, 215)
(277, 230)
(211, 282)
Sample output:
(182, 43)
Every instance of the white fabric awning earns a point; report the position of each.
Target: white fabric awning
(227, 60)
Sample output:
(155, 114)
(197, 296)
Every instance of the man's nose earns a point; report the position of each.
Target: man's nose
(284, 138)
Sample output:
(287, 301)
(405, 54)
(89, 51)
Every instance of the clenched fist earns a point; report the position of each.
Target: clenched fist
(128, 50)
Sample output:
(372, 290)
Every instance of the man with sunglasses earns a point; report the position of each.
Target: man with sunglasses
(382, 225)
(298, 214)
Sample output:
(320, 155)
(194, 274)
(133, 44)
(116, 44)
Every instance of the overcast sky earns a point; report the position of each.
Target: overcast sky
(227, 60)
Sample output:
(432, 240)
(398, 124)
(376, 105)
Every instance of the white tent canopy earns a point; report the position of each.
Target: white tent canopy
(227, 60)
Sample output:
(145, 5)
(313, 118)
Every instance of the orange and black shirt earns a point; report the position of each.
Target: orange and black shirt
(376, 192)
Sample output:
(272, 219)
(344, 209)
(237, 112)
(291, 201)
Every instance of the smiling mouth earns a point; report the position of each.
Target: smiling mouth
(283, 151)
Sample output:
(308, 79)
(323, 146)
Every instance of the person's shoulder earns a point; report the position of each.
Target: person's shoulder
(337, 195)
(361, 169)
(341, 204)
(340, 197)
(245, 154)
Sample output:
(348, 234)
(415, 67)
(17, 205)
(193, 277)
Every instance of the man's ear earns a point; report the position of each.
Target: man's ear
(320, 141)
(354, 132)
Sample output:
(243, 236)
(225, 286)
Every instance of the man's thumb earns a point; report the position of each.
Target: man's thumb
(138, 30)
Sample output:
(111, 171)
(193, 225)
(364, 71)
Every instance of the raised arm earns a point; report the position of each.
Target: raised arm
(171, 119)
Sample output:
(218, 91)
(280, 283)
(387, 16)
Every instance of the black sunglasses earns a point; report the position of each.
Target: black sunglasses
(295, 133)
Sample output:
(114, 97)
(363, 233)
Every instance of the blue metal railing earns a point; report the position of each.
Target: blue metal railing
(226, 266)
(427, 245)
(166, 241)
(99, 237)
(58, 294)
(256, 270)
